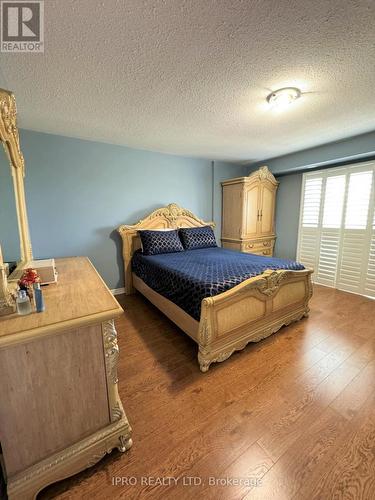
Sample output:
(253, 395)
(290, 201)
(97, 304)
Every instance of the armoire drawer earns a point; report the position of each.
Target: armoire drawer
(268, 252)
(263, 247)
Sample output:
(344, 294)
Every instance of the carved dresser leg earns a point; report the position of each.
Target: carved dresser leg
(204, 363)
(117, 413)
(125, 443)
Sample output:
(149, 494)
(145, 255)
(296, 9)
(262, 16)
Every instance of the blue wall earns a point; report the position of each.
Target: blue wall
(287, 215)
(324, 156)
(288, 171)
(78, 192)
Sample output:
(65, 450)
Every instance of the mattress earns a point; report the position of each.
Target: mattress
(187, 277)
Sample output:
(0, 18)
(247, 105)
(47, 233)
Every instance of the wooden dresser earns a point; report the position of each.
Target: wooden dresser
(248, 220)
(59, 409)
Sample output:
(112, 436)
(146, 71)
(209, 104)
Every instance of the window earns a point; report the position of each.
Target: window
(334, 201)
(357, 208)
(337, 227)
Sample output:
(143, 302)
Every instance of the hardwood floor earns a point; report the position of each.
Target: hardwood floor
(291, 417)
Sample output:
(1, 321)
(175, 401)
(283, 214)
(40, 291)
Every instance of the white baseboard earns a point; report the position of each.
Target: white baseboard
(118, 291)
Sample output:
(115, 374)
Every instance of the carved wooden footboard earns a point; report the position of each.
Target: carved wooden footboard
(247, 313)
(251, 311)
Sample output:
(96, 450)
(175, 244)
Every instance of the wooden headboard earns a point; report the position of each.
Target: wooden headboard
(172, 216)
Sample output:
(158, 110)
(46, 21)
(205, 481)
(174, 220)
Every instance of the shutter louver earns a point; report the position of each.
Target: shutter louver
(328, 257)
(330, 233)
(370, 275)
(308, 247)
(357, 207)
(308, 244)
(355, 235)
(352, 256)
(311, 206)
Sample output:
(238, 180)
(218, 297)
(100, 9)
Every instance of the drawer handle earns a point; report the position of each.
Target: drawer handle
(266, 243)
(250, 245)
(266, 252)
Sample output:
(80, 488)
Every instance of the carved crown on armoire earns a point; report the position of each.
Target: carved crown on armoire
(248, 220)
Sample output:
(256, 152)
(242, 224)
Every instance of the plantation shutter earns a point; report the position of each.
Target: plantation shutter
(329, 244)
(370, 275)
(309, 231)
(337, 227)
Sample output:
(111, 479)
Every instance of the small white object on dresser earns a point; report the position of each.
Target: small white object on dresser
(46, 269)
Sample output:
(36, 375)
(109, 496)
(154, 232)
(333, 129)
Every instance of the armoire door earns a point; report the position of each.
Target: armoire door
(267, 209)
(251, 208)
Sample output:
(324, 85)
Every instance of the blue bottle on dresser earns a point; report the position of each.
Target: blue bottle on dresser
(39, 300)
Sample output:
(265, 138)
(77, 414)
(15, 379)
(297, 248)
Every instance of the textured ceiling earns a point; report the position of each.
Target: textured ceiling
(191, 77)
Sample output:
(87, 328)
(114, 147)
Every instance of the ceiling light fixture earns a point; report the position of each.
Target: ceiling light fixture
(281, 98)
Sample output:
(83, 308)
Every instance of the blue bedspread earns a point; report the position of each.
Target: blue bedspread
(187, 277)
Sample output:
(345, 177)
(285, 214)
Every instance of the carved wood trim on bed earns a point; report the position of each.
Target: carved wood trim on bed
(249, 312)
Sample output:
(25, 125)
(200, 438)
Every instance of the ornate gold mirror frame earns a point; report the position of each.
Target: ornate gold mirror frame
(9, 136)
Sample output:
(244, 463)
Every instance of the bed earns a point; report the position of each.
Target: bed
(222, 323)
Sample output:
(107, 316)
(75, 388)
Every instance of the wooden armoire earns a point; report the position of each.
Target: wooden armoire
(248, 221)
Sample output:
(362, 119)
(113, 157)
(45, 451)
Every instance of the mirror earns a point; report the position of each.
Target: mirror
(13, 216)
(9, 234)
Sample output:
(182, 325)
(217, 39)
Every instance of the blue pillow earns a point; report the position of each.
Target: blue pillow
(198, 237)
(155, 242)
